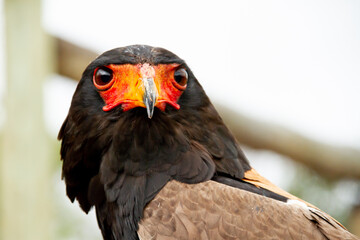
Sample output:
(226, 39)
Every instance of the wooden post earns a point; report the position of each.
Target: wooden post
(25, 165)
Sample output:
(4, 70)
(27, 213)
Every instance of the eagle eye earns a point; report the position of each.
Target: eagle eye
(181, 77)
(103, 78)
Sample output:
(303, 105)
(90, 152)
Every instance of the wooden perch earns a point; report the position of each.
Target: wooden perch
(330, 161)
(72, 59)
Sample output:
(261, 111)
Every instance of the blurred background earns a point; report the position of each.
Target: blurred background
(285, 76)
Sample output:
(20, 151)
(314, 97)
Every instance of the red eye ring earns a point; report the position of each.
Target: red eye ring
(180, 79)
(103, 78)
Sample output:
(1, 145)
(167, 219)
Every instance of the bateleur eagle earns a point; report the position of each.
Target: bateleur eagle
(144, 145)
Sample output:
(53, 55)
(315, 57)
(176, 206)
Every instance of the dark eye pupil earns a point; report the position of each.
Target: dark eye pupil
(103, 76)
(181, 76)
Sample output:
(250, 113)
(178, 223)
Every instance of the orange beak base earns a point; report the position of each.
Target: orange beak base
(137, 85)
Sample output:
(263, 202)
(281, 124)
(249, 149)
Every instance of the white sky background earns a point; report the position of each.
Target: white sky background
(295, 63)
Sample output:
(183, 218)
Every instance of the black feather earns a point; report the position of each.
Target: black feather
(118, 161)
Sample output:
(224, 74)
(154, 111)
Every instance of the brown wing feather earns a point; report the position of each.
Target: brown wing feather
(211, 210)
(253, 177)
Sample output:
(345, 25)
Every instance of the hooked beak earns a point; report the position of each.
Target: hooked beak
(150, 95)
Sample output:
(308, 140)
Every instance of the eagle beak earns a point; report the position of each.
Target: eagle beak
(150, 95)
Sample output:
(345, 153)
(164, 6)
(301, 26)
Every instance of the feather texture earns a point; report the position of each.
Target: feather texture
(211, 210)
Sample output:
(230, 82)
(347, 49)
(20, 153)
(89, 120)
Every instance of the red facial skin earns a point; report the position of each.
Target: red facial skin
(127, 89)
